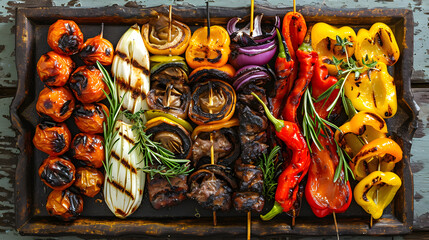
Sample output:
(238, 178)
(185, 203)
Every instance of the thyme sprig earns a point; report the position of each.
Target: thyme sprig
(157, 159)
(109, 132)
(269, 168)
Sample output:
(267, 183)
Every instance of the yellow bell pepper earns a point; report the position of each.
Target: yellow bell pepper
(382, 152)
(362, 128)
(373, 91)
(323, 40)
(379, 44)
(365, 192)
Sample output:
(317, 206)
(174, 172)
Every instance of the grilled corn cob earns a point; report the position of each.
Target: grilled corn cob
(123, 191)
(131, 69)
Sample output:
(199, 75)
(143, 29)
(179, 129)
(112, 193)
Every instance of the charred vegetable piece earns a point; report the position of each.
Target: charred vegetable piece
(89, 118)
(378, 44)
(52, 138)
(65, 204)
(97, 49)
(211, 186)
(382, 152)
(167, 193)
(54, 69)
(88, 149)
(374, 90)
(225, 143)
(294, 29)
(88, 181)
(56, 103)
(150, 114)
(65, 37)
(88, 85)
(212, 51)
(171, 135)
(156, 36)
(224, 73)
(212, 102)
(375, 192)
(57, 173)
(170, 92)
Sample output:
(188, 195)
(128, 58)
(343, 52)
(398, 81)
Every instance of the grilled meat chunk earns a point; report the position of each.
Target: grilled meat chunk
(163, 193)
(248, 201)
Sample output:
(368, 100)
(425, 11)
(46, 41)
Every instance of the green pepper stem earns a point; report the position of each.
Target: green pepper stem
(277, 209)
(282, 53)
(306, 47)
(278, 124)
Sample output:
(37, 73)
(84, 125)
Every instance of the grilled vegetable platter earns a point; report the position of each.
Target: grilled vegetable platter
(279, 122)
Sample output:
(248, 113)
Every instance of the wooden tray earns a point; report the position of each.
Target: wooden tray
(181, 221)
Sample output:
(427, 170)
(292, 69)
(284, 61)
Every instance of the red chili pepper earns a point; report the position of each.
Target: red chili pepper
(283, 68)
(323, 194)
(289, 179)
(307, 59)
(294, 30)
(321, 82)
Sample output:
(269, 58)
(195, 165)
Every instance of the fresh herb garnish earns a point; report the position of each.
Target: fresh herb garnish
(269, 169)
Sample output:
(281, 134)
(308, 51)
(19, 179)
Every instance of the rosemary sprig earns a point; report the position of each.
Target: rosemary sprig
(269, 169)
(157, 159)
(109, 132)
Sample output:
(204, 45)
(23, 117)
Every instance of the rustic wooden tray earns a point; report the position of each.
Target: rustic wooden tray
(30, 194)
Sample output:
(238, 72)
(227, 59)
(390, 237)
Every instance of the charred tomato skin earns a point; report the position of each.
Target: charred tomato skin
(97, 49)
(52, 138)
(89, 181)
(65, 37)
(57, 173)
(55, 103)
(88, 149)
(87, 84)
(89, 118)
(64, 204)
(54, 69)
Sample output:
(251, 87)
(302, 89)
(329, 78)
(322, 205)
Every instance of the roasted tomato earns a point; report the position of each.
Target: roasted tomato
(65, 37)
(52, 138)
(65, 204)
(57, 173)
(87, 84)
(97, 49)
(54, 69)
(56, 103)
(89, 117)
(89, 149)
(89, 181)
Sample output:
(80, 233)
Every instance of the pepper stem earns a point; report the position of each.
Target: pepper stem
(305, 47)
(282, 53)
(277, 209)
(278, 124)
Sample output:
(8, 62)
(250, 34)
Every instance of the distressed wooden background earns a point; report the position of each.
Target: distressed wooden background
(420, 84)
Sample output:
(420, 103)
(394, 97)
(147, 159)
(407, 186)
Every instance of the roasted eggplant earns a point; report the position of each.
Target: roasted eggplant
(55, 103)
(65, 37)
(88, 181)
(88, 149)
(57, 173)
(89, 118)
(88, 85)
(52, 138)
(65, 204)
(54, 69)
(97, 49)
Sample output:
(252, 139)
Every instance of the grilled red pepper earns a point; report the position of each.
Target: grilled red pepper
(294, 30)
(323, 194)
(307, 59)
(283, 68)
(289, 179)
(320, 82)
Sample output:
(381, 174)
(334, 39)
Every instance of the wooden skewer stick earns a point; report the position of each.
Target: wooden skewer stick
(249, 224)
(294, 6)
(252, 6)
(208, 20)
(169, 23)
(102, 30)
(212, 160)
(336, 225)
(293, 218)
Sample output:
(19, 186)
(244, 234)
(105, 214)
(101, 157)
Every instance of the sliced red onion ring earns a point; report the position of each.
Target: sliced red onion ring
(251, 73)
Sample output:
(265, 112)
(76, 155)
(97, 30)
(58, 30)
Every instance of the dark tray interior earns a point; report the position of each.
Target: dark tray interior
(31, 193)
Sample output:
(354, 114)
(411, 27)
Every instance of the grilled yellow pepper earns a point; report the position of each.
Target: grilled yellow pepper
(373, 91)
(323, 41)
(381, 153)
(365, 192)
(362, 128)
(379, 44)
